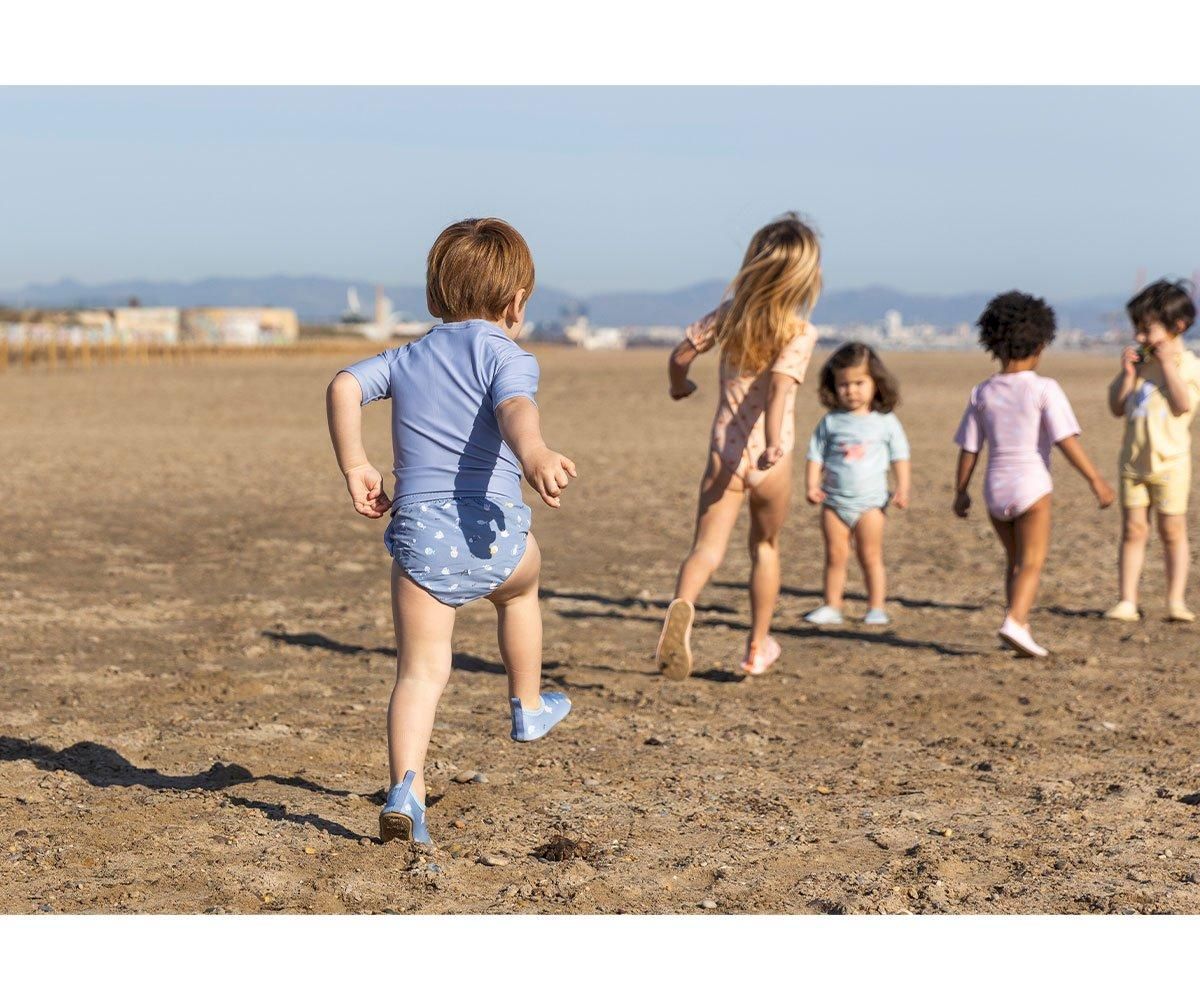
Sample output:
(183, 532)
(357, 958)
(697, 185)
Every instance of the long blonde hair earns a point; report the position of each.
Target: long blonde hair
(771, 296)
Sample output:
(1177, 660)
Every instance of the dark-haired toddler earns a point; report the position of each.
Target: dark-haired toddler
(849, 455)
(1020, 415)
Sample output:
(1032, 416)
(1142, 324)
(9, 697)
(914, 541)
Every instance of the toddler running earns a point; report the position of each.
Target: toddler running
(465, 428)
(1020, 415)
(1156, 392)
(766, 342)
(847, 473)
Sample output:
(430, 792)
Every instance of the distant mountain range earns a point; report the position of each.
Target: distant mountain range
(319, 299)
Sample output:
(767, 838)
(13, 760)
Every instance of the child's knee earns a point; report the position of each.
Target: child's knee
(1135, 529)
(708, 554)
(423, 669)
(764, 545)
(1172, 529)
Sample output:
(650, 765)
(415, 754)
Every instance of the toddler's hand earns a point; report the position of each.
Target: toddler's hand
(684, 390)
(962, 503)
(1129, 361)
(548, 472)
(770, 456)
(815, 495)
(1104, 493)
(366, 491)
(900, 499)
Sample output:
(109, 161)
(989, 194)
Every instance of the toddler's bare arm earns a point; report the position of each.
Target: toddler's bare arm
(812, 481)
(343, 408)
(1122, 385)
(962, 480)
(782, 389)
(903, 469)
(677, 369)
(545, 470)
(1075, 454)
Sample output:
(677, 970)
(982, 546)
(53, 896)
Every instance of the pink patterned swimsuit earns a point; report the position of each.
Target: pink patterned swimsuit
(739, 433)
(1021, 417)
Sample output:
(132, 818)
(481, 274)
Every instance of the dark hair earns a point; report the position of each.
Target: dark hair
(1166, 302)
(851, 355)
(1015, 326)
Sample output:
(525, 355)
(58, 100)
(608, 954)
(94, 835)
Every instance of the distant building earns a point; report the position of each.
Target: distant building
(244, 326)
(138, 323)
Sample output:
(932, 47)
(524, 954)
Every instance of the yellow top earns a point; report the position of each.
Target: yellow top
(1156, 438)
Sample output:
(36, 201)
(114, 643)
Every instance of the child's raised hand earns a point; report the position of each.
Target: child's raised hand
(962, 503)
(1129, 360)
(815, 495)
(683, 389)
(770, 456)
(365, 485)
(1104, 493)
(548, 472)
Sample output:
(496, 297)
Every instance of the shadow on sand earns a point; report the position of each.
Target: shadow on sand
(103, 767)
(917, 603)
(460, 661)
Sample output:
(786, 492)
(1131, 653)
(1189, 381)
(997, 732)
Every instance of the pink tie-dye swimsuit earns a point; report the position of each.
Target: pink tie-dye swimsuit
(1021, 417)
(739, 433)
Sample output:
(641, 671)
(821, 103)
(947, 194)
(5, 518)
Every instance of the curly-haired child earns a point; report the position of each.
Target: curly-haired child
(1020, 415)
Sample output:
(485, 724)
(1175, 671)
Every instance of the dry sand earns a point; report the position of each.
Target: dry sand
(196, 653)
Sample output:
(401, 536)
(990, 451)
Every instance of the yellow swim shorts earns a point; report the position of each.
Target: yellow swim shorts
(1166, 490)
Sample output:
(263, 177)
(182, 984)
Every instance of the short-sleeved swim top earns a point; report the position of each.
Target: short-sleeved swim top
(445, 389)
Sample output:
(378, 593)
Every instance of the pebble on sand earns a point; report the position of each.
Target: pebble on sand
(470, 777)
(493, 860)
(708, 904)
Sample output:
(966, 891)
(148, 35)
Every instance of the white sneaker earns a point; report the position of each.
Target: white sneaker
(825, 615)
(1018, 637)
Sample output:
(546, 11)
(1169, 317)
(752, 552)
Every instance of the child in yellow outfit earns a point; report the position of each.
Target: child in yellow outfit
(1157, 392)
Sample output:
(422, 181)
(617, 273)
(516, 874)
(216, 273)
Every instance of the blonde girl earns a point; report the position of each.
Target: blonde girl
(766, 342)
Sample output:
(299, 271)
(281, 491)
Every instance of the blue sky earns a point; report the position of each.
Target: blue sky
(1064, 191)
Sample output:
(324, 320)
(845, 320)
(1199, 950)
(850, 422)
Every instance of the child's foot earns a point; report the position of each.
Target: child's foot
(760, 658)
(674, 653)
(403, 817)
(1178, 613)
(1123, 611)
(876, 616)
(528, 726)
(824, 615)
(1019, 638)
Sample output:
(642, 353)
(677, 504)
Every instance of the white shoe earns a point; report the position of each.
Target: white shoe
(1018, 637)
(824, 615)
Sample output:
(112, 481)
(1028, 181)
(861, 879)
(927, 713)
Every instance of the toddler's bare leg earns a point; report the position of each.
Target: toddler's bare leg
(1172, 528)
(1032, 531)
(768, 510)
(716, 514)
(519, 627)
(1135, 530)
(424, 630)
(1007, 533)
(868, 540)
(837, 555)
